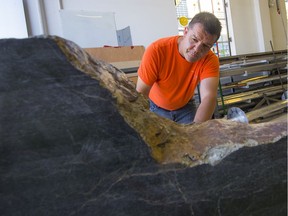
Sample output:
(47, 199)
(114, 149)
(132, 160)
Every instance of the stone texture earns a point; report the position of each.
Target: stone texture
(75, 145)
(169, 142)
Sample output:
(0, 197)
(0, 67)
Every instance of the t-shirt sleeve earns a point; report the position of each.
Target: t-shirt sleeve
(148, 70)
(211, 66)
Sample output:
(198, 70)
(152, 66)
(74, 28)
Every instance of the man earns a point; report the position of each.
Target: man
(172, 67)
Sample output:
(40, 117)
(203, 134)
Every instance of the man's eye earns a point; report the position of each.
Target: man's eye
(194, 40)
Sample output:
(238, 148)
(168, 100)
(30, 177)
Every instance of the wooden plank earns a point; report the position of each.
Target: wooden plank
(254, 80)
(117, 54)
(127, 64)
(266, 110)
(249, 95)
(252, 69)
(133, 77)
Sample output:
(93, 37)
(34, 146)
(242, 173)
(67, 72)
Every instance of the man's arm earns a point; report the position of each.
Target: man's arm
(208, 93)
(142, 87)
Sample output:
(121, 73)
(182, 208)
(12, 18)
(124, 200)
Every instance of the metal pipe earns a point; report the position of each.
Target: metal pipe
(43, 20)
(278, 70)
(61, 5)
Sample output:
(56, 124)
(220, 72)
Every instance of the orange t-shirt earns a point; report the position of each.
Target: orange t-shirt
(173, 79)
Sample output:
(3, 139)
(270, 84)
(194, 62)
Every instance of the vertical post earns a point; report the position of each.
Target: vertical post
(41, 9)
(61, 5)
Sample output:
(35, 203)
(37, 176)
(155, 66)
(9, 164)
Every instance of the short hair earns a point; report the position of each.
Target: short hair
(210, 22)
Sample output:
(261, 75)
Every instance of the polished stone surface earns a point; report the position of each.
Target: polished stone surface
(169, 142)
(66, 150)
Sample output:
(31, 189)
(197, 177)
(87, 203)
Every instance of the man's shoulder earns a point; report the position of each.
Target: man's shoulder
(165, 42)
(210, 56)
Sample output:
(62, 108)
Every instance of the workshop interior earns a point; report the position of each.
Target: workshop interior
(77, 139)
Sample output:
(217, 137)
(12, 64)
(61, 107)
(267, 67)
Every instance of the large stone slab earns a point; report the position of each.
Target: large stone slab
(76, 139)
(169, 142)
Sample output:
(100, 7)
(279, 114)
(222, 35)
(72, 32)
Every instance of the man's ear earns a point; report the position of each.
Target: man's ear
(185, 30)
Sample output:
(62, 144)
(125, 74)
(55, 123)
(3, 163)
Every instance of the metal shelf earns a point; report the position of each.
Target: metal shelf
(258, 76)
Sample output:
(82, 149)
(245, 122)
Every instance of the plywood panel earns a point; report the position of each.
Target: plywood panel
(117, 54)
(127, 58)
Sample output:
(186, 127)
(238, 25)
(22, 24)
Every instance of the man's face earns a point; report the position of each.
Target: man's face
(196, 43)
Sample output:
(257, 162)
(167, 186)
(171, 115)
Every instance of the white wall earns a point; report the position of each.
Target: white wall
(263, 25)
(148, 19)
(253, 25)
(242, 27)
(35, 16)
(12, 19)
(279, 26)
(89, 28)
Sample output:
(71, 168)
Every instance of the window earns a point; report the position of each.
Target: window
(186, 9)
